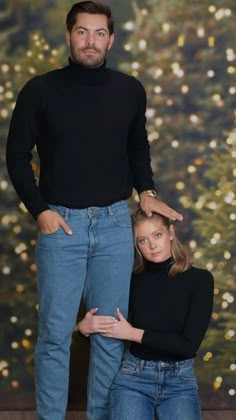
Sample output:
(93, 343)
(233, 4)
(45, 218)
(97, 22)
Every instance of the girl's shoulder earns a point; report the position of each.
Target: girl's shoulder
(199, 275)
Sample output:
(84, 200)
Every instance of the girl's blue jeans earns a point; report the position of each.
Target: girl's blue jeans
(96, 262)
(143, 389)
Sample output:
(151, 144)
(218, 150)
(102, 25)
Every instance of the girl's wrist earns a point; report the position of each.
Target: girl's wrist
(137, 335)
(81, 329)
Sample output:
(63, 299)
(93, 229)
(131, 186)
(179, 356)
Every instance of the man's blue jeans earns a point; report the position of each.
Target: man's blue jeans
(142, 389)
(96, 262)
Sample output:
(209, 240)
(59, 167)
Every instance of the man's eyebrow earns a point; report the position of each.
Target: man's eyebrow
(86, 29)
(102, 29)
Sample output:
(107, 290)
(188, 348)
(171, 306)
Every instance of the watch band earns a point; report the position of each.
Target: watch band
(150, 193)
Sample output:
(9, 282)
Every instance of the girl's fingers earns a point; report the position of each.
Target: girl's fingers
(106, 328)
(106, 335)
(121, 317)
(105, 319)
(93, 311)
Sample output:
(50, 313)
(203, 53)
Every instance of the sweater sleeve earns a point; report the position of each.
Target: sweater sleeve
(22, 138)
(138, 146)
(186, 343)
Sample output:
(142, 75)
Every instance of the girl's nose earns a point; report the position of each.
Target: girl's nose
(152, 244)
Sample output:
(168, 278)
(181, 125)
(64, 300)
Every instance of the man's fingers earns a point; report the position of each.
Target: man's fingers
(150, 204)
(65, 226)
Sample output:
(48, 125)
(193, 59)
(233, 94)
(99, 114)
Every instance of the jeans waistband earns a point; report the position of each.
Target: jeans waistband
(107, 210)
(158, 363)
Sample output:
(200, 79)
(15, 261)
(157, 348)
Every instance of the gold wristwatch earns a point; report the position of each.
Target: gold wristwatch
(151, 193)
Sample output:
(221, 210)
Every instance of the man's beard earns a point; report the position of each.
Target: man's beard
(88, 60)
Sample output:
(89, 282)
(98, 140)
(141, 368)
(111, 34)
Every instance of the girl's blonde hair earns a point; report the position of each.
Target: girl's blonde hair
(180, 256)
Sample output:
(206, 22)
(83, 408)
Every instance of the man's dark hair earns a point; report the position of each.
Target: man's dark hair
(92, 7)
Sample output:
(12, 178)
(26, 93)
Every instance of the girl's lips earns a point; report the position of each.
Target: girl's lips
(156, 254)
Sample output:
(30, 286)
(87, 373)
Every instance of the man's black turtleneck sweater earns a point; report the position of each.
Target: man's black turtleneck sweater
(89, 129)
(174, 312)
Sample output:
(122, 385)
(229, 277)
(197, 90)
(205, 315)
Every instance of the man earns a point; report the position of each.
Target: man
(88, 123)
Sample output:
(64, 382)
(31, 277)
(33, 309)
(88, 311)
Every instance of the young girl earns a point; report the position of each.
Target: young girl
(170, 308)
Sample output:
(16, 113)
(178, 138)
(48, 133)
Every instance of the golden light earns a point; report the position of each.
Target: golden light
(217, 382)
(184, 89)
(210, 73)
(181, 40)
(20, 248)
(6, 270)
(212, 8)
(20, 288)
(14, 319)
(158, 73)
(14, 345)
(232, 392)
(157, 89)
(142, 44)
(211, 41)
(180, 185)
(213, 144)
(175, 144)
(15, 384)
(166, 27)
(3, 364)
(200, 32)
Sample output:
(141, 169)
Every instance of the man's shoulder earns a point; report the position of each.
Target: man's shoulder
(125, 78)
(40, 79)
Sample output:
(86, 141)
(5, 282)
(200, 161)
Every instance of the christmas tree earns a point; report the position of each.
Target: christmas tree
(184, 53)
(215, 248)
(18, 231)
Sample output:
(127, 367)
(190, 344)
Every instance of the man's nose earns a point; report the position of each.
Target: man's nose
(90, 39)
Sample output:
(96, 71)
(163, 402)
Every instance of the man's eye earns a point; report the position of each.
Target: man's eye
(101, 34)
(157, 235)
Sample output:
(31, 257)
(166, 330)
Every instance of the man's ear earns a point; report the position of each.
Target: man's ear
(111, 40)
(67, 37)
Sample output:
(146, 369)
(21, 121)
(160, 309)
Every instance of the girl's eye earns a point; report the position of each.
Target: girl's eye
(142, 241)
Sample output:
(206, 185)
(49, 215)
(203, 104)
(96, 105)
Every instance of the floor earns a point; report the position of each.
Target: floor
(30, 415)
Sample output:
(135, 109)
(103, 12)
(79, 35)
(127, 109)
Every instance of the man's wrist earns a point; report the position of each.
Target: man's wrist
(149, 193)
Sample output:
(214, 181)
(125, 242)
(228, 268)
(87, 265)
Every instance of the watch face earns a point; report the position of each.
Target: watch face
(153, 193)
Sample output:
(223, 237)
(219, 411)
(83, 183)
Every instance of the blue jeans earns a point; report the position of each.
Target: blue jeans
(96, 262)
(143, 389)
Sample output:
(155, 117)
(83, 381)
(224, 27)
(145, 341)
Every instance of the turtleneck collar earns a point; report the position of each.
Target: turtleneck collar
(86, 75)
(163, 266)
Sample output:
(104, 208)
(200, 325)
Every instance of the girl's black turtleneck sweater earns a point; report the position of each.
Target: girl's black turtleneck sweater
(89, 129)
(174, 312)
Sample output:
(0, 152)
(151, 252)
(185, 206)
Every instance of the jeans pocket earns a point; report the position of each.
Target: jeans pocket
(186, 373)
(122, 218)
(127, 368)
(49, 233)
(61, 211)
